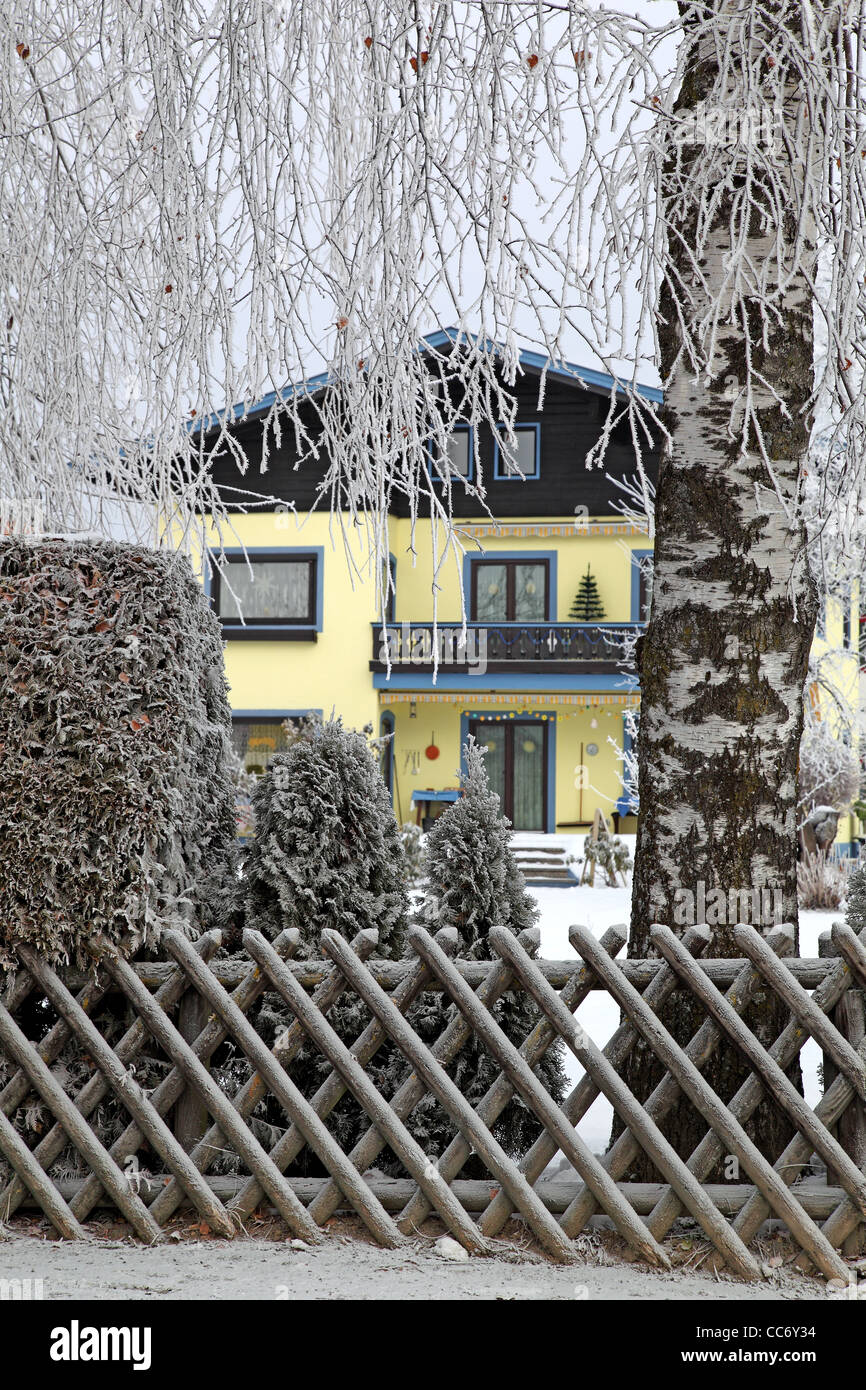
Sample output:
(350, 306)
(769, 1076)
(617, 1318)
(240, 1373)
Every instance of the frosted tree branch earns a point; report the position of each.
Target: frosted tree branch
(202, 201)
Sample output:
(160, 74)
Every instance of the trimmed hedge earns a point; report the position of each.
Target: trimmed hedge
(116, 808)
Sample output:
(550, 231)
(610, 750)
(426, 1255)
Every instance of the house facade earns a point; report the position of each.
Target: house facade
(554, 592)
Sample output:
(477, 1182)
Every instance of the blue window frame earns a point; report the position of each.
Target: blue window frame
(526, 466)
(528, 562)
(627, 801)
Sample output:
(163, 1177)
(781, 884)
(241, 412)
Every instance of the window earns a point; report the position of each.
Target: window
(645, 591)
(458, 459)
(520, 459)
(389, 585)
(460, 453)
(641, 585)
(267, 590)
(257, 740)
(386, 750)
(846, 618)
(510, 591)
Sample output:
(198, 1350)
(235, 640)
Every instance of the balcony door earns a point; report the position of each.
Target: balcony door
(517, 768)
(510, 591)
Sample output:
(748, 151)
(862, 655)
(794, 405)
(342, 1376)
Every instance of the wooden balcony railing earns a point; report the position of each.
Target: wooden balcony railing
(480, 647)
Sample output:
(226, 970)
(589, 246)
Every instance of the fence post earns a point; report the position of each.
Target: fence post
(190, 1119)
(849, 1016)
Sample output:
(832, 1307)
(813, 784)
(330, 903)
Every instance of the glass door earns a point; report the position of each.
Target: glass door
(516, 763)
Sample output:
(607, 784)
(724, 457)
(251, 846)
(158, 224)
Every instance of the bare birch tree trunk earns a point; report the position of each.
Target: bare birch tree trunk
(724, 657)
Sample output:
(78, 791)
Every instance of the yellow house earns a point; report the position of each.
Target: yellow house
(838, 695)
(553, 592)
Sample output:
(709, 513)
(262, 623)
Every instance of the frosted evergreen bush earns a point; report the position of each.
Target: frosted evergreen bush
(116, 812)
(327, 853)
(474, 884)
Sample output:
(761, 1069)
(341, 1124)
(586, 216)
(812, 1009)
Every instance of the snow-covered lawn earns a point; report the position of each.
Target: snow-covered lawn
(599, 908)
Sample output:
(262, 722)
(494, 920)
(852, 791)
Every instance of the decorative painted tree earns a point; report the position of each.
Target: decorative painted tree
(587, 606)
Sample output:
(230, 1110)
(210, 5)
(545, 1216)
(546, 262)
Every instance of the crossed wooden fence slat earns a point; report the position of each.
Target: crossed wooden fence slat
(392, 1209)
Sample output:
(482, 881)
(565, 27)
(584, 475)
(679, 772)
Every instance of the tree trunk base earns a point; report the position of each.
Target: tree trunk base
(684, 1127)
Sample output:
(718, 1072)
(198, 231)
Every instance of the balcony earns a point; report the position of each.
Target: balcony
(549, 648)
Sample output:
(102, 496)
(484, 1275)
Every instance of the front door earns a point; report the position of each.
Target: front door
(517, 768)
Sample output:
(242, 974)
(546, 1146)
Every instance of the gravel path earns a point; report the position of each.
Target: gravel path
(346, 1269)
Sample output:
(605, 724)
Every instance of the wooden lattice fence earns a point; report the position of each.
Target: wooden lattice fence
(187, 1119)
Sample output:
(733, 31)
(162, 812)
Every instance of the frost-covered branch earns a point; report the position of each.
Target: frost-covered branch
(204, 200)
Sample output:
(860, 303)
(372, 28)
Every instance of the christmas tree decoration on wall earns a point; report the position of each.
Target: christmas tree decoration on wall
(587, 606)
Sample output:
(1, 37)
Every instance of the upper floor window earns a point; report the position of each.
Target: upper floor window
(645, 592)
(519, 459)
(389, 588)
(267, 589)
(457, 462)
(510, 591)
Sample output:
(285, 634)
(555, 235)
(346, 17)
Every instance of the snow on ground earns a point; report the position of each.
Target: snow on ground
(349, 1268)
(602, 907)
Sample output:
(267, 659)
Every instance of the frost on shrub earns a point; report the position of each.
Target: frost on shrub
(326, 853)
(611, 854)
(116, 814)
(821, 881)
(829, 769)
(474, 884)
(327, 849)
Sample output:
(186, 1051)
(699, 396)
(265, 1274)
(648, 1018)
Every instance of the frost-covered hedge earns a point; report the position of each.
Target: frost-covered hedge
(116, 813)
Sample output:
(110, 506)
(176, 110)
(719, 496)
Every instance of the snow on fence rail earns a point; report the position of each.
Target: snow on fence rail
(212, 999)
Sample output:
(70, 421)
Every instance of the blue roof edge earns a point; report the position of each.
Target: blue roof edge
(568, 371)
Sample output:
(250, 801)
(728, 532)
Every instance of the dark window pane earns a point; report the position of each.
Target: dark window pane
(277, 589)
(528, 777)
(530, 593)
(459, 453)
(491, 594)
(518, 458)
(256, 743)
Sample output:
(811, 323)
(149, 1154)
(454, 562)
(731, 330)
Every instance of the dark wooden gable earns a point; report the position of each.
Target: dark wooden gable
(570, 422)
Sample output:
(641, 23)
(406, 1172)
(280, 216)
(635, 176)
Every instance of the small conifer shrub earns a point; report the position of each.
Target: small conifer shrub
(327, 852)
(474, 884)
